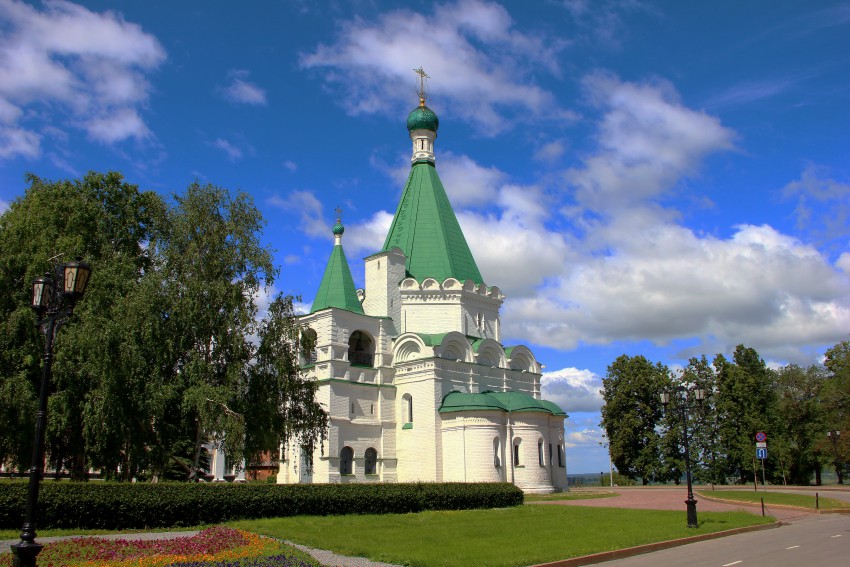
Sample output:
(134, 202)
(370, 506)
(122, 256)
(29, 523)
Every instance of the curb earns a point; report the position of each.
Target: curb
(650, 547)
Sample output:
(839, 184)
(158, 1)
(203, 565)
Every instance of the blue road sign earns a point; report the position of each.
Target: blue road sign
(761, 453)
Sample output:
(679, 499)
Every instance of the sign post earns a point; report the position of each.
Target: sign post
(761, 452)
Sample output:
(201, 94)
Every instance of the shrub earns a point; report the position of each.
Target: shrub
(139, 506)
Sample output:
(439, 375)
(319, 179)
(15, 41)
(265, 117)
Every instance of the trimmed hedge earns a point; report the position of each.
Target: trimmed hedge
(114, 506)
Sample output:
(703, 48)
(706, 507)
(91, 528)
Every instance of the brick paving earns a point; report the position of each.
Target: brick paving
(668, 498)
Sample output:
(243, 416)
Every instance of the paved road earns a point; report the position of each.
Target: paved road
(812, 541)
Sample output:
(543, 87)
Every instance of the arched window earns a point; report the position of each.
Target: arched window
(517, 443)
(540, 453)
(361, 349)
(560, 455)
(407, 408)
(371, 461)
(497, 453)
(346, 461)
(308, 346)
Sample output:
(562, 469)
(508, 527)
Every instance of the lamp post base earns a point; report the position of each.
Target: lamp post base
(692, 512)
(24, 553)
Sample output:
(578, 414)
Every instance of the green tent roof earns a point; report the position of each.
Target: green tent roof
(337, 287)
(426, 229)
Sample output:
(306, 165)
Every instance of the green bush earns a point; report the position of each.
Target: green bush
(96, 505)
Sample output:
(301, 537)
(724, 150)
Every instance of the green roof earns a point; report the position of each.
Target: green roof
(337, 287)
(461, 401)
(425, 228)
(510, 402)
(422, 118)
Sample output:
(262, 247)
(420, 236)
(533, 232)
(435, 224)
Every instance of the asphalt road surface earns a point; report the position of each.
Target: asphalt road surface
(810, 541)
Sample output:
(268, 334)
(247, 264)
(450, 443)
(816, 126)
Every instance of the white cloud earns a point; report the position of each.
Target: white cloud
(368, 237)
(4, 206)
(758, 287)
(290, 165)
(88, 66)
(233, 152)
(550, 152)
(484, 64)
(647, 142)
(242, 91)
(823, 204)
(573, 389)
(19, 142)
(309, 209)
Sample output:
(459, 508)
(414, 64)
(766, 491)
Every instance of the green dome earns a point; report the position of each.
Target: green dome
(422, 118)
(338, 229)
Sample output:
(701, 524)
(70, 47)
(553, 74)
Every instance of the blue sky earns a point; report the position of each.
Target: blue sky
(661, 178)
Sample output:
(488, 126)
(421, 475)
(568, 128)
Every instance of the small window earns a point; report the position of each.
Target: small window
(560, 456)
(540, 453)
(371, 465)
(516, 452)
(497, 458)
(550, 453)
(352, 408)
(346, 461)
(372, 409)
(407, 408)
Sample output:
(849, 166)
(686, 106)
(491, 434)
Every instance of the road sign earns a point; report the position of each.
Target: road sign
(761, 453)
(761, 437)
(761, 445)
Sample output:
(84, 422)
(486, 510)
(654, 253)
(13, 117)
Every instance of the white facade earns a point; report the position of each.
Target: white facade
(384, 393)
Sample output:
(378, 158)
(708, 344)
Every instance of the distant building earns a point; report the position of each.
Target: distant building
(412, 370)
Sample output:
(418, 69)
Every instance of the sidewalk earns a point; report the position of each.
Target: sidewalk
(670, 498)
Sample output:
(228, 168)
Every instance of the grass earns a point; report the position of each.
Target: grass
(497, 538)
(781, 498)
(568, 496)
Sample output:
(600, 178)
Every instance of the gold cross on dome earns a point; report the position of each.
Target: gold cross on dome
(338, 213)
(422, 76)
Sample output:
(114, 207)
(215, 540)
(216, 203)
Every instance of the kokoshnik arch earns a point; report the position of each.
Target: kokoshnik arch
(412, 370)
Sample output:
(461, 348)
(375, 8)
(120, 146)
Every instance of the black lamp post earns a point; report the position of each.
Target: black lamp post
(683, 398)
(53, 299)
(833, 436)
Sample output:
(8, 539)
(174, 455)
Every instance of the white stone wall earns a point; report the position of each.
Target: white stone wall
(433, 307)
(384, 271)
(469, 451)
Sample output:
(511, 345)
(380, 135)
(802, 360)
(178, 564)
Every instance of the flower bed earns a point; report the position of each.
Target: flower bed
(213, 547)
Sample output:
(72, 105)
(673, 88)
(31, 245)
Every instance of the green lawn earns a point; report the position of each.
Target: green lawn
(568, 496)
(783, 498)
(502, 537)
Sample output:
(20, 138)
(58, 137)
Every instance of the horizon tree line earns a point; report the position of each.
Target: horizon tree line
(793, 405)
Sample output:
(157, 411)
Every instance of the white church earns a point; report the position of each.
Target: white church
(412, 370)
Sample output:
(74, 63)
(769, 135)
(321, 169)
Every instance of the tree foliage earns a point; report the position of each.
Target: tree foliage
(795, 406)
(632, 413)
(165, 353)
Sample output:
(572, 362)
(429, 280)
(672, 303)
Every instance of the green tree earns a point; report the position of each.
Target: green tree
(295, 416)
(836, 400)
(632, 414)
(211, 266)
(745, 406)
(800, 421)
(103, 219)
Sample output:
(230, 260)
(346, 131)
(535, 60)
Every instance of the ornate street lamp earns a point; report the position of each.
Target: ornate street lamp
(53, 299)
(833, 436)
(683, 398)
